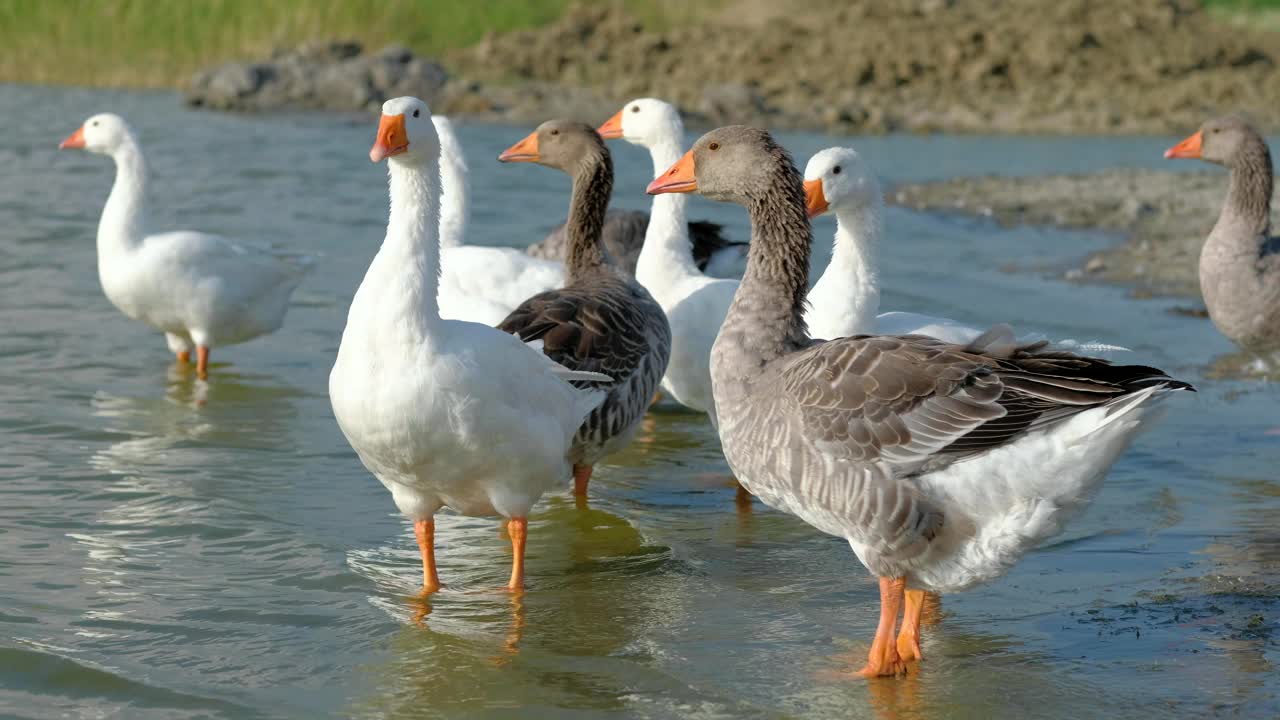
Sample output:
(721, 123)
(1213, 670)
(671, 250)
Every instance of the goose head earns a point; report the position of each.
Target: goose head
(646, 122)
(1218, 141)
(406, 134)
(738, 164)
(559, 144)
(838, 179)
(103, 133)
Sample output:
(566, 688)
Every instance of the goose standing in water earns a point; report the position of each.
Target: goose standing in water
(602, 320)
(1240, 260)
(694, 303)
(940, 464)
(202, 291)
(445, 413)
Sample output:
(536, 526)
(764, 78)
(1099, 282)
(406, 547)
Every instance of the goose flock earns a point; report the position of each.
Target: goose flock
(479, 378)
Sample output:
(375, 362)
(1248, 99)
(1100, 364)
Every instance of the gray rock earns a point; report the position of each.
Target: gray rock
(332, 75)
(227, 85)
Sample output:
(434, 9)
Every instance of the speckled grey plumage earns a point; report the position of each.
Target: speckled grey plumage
(1240, 260)
(602, 320)
(834, 431)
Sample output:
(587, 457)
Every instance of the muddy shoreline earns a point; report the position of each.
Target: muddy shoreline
(1160, 217)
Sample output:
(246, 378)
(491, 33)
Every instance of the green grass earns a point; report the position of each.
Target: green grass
(160, 43)
(1254, 14)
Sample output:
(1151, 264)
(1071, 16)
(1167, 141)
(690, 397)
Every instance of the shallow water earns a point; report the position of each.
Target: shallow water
(172, 549)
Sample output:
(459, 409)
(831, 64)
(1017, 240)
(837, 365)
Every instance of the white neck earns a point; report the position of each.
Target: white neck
(852, 280)
(121, 227)
(403, 279)
(455, 193)
(667, 253)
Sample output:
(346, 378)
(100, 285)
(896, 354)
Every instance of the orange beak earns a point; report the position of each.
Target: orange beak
(612, 128)
(680, 178)
(1189, 148)
(524, 151)
(815, 200)
(74, 140)
(392, 138)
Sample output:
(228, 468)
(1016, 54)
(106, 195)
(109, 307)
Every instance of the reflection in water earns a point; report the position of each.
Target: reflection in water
(1246, 365)
(474, 645)
(167, 485)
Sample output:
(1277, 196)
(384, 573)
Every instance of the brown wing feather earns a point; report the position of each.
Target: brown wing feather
(595, 326)
(909, 400)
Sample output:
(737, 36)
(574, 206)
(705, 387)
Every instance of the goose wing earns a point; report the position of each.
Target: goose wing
(912, 401)
(597, 328)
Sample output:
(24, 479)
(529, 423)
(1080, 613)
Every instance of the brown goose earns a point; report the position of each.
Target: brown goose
(624, 232)
(1240, 260)
(940, 464)
(602, 320)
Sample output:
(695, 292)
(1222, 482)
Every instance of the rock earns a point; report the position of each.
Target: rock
(331, 75)
(225, 86)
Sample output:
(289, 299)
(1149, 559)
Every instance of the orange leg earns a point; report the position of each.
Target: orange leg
(425, 531)
(518, 529)
(184, 356)
(581, 476)
(202, 362)
(909, 635)
(883, 660)
(742, 499)
(657, 397)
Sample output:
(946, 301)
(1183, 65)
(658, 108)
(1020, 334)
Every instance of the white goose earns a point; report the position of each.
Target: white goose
(200, 290)
(846, 299)
(479, 283)
(695, 304)
(445, 412)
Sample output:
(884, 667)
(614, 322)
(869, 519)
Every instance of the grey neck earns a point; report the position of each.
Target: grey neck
(771, 298)
(1247, 210)
(592, 184)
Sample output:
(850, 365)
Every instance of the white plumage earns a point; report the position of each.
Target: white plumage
(200, 290)
(444, 412)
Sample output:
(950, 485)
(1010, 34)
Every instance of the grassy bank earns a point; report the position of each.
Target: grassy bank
(1256, 14)
(160, 43)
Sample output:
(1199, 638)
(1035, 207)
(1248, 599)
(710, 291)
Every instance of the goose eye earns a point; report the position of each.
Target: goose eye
(95, 124)
(555, 132)
(835, 170)
(416, 112)
(635, 108)
(1215, 131)
(714, 146)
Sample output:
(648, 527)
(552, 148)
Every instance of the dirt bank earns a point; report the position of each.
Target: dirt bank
(864, 66)
(1163, 216)
(1060, 66)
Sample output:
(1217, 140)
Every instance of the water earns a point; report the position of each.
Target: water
(176, 549)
